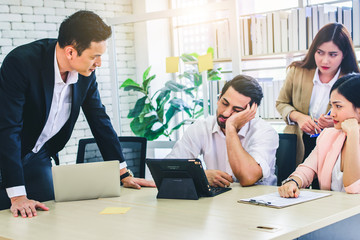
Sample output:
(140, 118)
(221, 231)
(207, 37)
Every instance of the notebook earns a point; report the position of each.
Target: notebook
(86, 181)
(181, 179)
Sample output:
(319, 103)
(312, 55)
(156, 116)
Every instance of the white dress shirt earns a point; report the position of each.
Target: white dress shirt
(205, 138)
(60, 106)
(320, 95)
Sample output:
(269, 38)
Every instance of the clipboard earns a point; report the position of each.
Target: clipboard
(274, 200)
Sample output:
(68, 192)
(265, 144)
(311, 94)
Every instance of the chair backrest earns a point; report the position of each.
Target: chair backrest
(133, 148)
(285, 156)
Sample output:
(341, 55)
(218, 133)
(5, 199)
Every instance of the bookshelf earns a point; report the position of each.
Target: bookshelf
(261, 63)
(270, 41)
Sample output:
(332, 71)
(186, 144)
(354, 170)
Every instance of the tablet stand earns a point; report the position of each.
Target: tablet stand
(178, 188)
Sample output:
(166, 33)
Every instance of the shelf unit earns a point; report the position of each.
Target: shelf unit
(236, 59)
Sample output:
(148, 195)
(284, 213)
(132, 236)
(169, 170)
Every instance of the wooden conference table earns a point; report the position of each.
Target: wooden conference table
(220, 217)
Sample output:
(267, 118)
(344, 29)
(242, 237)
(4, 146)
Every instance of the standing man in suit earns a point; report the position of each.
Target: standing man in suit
(43, 84)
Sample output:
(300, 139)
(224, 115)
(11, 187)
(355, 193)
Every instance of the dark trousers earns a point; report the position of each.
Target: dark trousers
(310, 144)
(38, 178)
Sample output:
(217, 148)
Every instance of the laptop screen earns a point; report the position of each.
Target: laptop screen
(86, 181)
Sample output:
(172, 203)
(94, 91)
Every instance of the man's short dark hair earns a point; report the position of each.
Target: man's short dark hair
(82, 28)
(246, 86)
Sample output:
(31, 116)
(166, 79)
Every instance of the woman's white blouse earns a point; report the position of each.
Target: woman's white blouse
(337, 177)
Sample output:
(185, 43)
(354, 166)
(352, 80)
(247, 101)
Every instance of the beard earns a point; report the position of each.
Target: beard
(221, 124)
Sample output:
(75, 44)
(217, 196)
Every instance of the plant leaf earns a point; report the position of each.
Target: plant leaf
(174, 86)
(152, 135)
(145, 128)
(130, 84)
(164, 95)
(177, 126)
(139, 127)
(138, 108)
(214, 74)
(188, 91)
(170, 113)
(199, 102)
(210, 50)
(177, 105)
(189, 57)
(146, 73)
(197, 79)
(147, 82)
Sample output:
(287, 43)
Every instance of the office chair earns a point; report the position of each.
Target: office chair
(133, 148)
(285, 156)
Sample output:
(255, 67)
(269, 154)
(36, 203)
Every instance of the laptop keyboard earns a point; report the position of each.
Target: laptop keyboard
(217, 190)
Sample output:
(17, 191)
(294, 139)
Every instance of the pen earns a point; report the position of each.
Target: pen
(259, 202)
(316, 133)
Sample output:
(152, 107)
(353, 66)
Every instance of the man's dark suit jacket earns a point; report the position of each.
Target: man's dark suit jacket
(26, 91)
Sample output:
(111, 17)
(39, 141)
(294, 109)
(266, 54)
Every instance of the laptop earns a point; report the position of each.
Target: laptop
(86, 181)
(181, 179)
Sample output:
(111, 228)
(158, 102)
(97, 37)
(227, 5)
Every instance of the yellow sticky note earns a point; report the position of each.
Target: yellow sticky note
(172, 64)
(205, 62)
(115, 210)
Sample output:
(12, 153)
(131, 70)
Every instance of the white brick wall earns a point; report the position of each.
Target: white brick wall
(23, 21)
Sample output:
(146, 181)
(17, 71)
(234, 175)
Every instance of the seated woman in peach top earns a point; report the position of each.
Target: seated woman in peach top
(335, 161)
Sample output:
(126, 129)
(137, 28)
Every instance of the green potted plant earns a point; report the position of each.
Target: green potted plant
(152, 113)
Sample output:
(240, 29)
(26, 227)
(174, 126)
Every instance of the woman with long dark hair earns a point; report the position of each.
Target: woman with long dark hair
(303, 101)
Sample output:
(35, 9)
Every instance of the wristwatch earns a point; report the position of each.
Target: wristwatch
(128, 173)
(289, 180)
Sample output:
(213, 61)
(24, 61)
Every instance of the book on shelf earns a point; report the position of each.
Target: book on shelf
(309, 26)
(270, 99)
(267, 88)
(332, 17)
(356, 22)
(290, 33)
(257, 37)
(242, 40)
(223, 39)
(261, 108)
(347, 18)
(264, 36)
(270, 32)
(277, 31)
(271, 89)
(315, 20)
(294, 30)
(321, 16)
(246, 36)
(304, 15)
(331, 13)
(260, 35)
(339, 15)
(284, 35)
(253, 35)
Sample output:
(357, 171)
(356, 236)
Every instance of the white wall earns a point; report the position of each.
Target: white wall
(23, 21)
